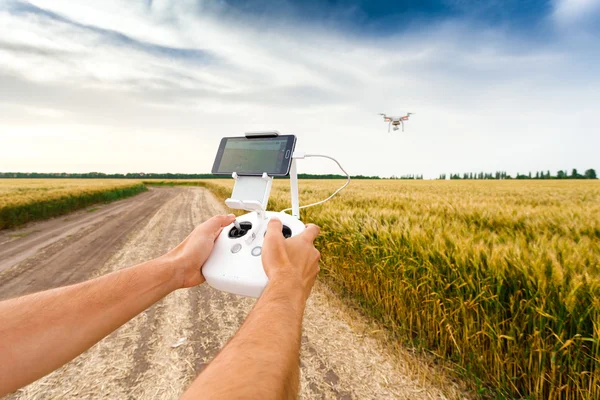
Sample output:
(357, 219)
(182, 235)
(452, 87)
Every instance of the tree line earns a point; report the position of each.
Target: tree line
(142, 175)
(588, 174)
(562, 174)
(403, 177)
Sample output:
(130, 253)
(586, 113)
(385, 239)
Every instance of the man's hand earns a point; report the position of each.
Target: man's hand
(295, 259)
(191, 254)
(43, 331)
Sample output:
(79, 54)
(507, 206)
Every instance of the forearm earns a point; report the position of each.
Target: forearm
(264, 354)
(42, 331)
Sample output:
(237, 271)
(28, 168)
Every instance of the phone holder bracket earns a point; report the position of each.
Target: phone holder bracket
(250, 193)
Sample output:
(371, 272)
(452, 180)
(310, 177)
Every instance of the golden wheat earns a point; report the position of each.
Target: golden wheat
(502, 278)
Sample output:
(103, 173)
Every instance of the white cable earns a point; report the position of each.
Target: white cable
(334, 193)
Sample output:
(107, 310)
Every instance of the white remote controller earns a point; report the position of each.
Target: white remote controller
(235, 264)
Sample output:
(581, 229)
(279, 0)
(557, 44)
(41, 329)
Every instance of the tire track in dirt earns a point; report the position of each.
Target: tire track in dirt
(341, 358)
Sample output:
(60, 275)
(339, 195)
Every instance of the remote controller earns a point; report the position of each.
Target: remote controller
(235, 264)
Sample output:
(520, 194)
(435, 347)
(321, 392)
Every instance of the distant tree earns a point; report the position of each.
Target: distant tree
(522, 176)
(590, 174)
(574, 174)
(561, 174)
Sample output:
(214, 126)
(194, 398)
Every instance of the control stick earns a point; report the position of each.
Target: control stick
(237, 224)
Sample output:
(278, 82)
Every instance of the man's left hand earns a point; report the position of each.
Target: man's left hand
(191, 254)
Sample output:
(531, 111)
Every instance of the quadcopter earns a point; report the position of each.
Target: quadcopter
(396, 121)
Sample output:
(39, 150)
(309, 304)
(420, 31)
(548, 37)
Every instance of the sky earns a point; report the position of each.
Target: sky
(152, 86)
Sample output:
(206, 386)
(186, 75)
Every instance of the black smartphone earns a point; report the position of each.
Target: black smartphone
(255, 155)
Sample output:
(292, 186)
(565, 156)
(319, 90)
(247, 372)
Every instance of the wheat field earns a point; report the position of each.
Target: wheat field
(500, 278)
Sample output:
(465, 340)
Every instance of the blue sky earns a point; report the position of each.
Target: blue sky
(123, 86)
(379, 16)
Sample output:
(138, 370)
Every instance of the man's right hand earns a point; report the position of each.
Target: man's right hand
(294, 260)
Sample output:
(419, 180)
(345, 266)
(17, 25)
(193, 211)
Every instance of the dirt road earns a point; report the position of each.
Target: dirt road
(343, 356)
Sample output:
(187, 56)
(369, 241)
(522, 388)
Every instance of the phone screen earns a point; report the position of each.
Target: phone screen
(253, 156)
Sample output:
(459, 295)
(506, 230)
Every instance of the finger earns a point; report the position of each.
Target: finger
(274, 233)
(311, 232)
(220, 220)
(225, 220)
(217, 223)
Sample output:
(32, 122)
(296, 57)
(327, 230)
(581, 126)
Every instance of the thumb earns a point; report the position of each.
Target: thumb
(218, 222)
(311, 232)
(274, 234)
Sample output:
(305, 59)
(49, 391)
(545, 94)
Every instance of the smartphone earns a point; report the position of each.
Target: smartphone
(255, 155)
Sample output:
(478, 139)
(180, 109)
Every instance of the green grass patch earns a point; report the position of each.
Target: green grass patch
(13, 215)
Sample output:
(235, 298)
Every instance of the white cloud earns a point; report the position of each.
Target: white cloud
(154, 89)
(569, 12)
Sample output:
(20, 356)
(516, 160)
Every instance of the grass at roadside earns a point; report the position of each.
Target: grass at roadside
(26, 200)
